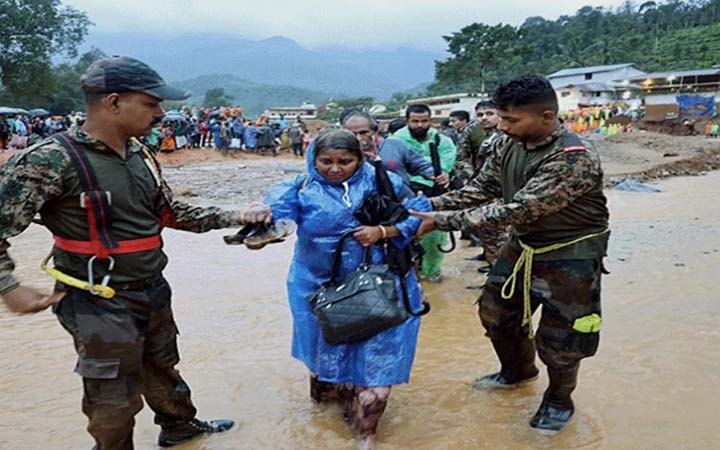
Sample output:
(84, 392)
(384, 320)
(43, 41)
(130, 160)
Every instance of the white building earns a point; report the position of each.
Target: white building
(304, 111)
(661, 90)
(575, 96)
(441, 106)
(595, 74)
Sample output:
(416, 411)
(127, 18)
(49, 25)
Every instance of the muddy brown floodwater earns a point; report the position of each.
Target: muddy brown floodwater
(655, 383)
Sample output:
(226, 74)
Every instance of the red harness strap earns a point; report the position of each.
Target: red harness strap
(96, 202)
(128, 246)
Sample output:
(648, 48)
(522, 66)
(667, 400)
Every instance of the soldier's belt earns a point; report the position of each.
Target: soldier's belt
(101, 290)
(526, 261)
(89, 248)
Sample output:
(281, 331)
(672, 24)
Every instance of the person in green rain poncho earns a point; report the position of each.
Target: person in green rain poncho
(419, 135)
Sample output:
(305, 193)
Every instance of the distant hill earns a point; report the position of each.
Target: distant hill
(253, 97)
(275, 61)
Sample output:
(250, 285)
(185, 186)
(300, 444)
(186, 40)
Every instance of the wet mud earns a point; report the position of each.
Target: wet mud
(653, 385)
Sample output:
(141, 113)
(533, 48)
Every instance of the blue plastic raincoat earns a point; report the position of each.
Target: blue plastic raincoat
(323, 211)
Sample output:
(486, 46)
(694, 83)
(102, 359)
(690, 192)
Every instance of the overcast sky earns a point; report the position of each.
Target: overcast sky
(323, 23)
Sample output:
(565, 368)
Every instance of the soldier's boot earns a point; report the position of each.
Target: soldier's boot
(184, 431)
(557, 407)
(517, 364)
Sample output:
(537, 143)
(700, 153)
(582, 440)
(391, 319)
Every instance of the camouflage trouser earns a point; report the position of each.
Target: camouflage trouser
(566, 289)
(126, 349)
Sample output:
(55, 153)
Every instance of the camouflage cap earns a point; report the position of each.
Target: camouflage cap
(125, 74)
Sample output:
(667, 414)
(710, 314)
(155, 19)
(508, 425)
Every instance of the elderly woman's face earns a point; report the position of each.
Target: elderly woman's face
(336, 164)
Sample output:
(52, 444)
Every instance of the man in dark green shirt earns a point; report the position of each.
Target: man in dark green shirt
(102, 195)
(546, 184)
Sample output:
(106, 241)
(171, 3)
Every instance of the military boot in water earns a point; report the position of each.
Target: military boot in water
(557, 407)
(184, 431)
(517, 364)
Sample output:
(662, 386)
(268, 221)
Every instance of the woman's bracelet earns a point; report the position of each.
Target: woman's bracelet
(384, 231)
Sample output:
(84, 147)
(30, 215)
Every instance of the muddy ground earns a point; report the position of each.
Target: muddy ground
(653, 384)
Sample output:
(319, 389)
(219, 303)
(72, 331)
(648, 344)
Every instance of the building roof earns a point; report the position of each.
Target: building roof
(598, 87)
(446, 97)
(592, 87)
(677, 74)
(592, 69)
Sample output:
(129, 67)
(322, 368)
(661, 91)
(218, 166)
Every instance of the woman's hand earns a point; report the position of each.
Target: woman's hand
(367, 235)
(256, 213)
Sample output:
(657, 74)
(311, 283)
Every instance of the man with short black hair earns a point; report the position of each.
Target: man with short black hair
(102, 195)
(395, 155)
(548, 185)
(459, 119)
(484, 128)
(422, 139)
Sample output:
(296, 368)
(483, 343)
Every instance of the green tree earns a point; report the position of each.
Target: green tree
(481, 55)
(217, 97)
(66, 94)
(656, 35)
(334, 108)
(32, 32)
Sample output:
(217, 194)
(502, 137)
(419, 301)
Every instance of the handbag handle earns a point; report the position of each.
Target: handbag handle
(337, 256)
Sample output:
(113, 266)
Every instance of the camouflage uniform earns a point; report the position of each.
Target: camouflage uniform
(492, 238)
(549, 193)
(472, 137)
(474, 157)
(126, 345)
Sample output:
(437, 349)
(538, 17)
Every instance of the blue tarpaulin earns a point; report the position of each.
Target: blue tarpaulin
(635, 185)
(696, 105)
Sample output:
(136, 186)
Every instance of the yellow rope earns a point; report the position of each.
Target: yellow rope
(526, 260)
(100, 290)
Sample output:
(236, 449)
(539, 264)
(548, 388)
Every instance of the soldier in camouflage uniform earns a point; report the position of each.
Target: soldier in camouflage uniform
(487, 118)
(474, 157)
(126, 344)
(547, 184)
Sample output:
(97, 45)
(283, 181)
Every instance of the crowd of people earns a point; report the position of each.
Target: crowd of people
(227, 130)
(598, 120)
(518, 182)
(18, 131)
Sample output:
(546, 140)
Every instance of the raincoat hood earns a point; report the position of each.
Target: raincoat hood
(362, 169)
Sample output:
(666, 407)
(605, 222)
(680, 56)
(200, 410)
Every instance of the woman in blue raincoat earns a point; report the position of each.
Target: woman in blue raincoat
(322, 204)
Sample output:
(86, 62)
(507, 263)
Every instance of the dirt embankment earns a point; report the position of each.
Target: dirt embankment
(648, 156)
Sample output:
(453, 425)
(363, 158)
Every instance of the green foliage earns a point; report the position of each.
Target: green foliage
(334, 107)
(216, 97)
(33, 31)
(61, 92)
(657, 36)
(66, 94)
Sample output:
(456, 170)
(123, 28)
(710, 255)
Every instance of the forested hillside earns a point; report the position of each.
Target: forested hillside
(658, 36)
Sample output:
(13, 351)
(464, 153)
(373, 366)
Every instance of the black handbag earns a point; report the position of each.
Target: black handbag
(361, 304)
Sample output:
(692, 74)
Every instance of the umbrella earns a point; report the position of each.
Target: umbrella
(39, 112)
(174, 118)
(8, 110)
